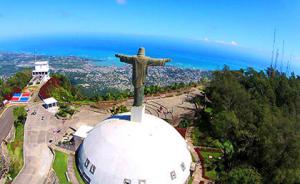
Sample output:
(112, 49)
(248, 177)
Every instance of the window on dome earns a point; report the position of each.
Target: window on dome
(92, 169)
(86, 178)
(87, 163)
(182, 166)
(173, 175)
(127, 181)
(142, 181)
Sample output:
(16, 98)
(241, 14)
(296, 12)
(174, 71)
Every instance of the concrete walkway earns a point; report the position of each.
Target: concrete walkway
(37, 156)
(71, 171)
(197, 175)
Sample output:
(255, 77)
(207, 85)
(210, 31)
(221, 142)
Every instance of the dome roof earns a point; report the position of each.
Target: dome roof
(119, 151)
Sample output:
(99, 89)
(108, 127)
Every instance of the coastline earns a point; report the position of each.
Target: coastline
(89, 77)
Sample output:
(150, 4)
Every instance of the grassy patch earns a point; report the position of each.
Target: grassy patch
(190, 180)
(15, 150)
(193, 158)
(210, 163)
(79, 179)
(196, 134)
(60, 166)
(212, 174)
(206, 154)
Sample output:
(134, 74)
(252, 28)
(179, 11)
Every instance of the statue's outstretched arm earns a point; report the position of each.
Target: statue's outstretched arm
(158, 62)
(125, 58)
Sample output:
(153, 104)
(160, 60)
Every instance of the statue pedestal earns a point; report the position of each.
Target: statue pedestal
(137, 113)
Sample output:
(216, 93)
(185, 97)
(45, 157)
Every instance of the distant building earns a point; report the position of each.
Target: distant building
(41, 71)
(50, 102)
(5, 102)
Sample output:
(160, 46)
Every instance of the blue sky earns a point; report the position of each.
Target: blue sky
(247, 24)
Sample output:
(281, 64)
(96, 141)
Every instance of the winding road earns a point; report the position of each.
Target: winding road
(6, 123)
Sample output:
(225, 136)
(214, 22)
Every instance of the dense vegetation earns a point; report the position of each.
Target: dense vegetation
(14, 84)
(114, 94)
(15, 148)
(255, 118)
(65, 111)
(60, 87)
(150, 90)
(209, 162)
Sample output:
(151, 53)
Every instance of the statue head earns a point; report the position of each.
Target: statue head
(141, 51)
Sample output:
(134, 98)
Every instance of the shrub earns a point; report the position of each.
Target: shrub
(119, 109)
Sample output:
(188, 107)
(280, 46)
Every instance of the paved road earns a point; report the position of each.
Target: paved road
(6, 123)
(37, 155)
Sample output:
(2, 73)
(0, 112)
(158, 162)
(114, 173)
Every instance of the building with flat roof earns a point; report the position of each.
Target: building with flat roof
(83, 131)
(81, 134)
(41, 71)
(50, 102)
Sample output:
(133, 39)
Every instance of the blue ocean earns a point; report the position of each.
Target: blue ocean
(183, 52)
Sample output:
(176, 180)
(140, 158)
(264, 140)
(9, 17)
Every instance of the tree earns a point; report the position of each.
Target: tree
(244, 175)
(258, 115)
(14, 84)
(225, 124)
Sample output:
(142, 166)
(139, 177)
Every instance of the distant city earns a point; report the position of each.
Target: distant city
(96, 79)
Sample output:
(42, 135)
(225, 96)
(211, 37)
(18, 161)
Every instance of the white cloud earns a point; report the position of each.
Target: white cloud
(206, 39)
(232, 43)
(121, 1)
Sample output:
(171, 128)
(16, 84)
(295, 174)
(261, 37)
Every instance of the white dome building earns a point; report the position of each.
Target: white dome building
(120, 151)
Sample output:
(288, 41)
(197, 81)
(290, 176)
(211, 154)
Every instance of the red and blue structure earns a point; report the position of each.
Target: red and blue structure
(20, 97)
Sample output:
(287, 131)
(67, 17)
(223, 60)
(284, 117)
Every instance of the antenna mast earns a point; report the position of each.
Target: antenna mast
(288, 66)
(282, 57)
(274, 41)
(276, 58)
(34, 55)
